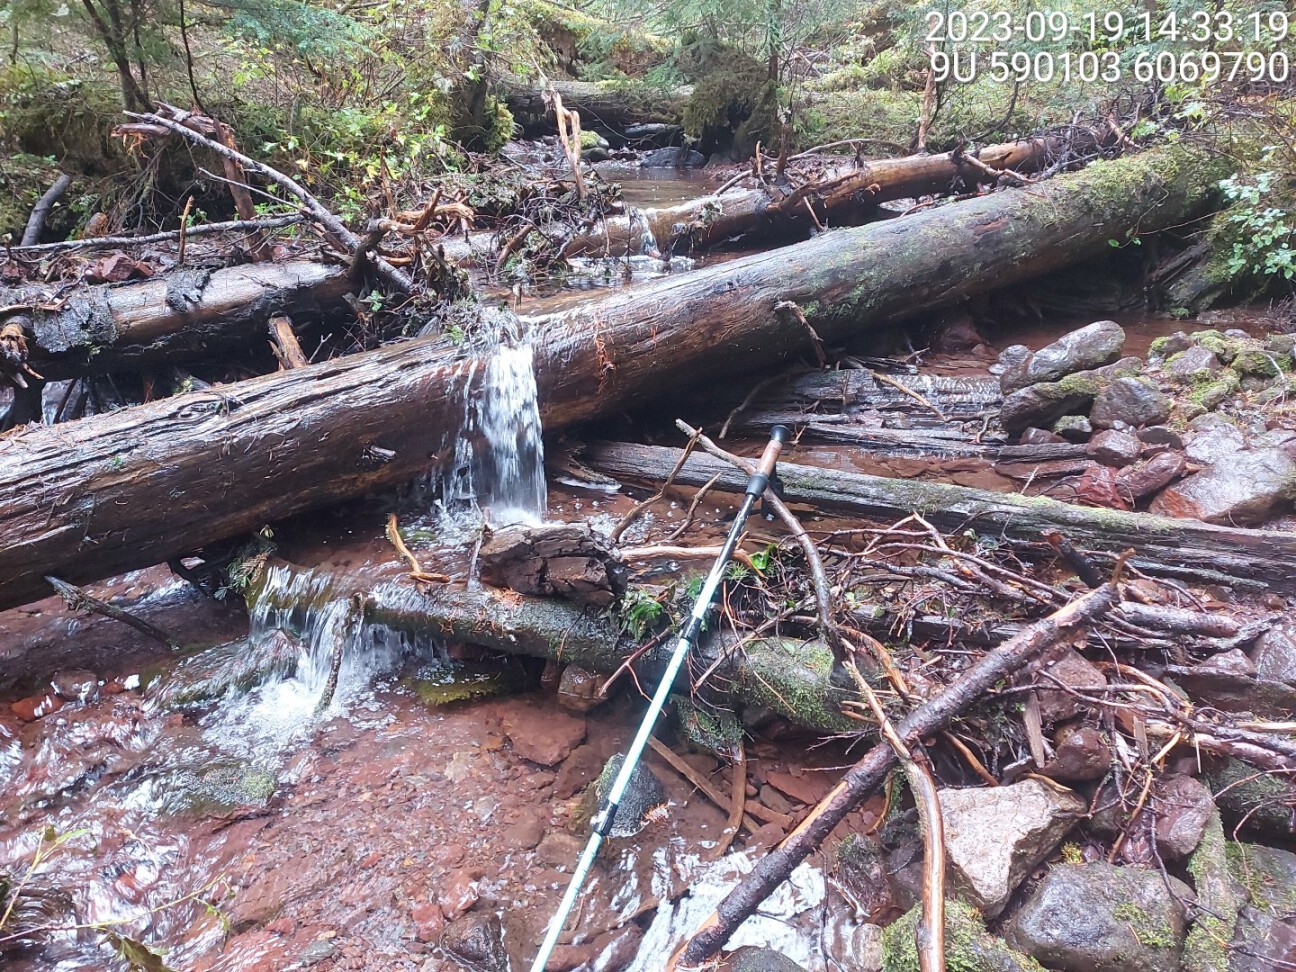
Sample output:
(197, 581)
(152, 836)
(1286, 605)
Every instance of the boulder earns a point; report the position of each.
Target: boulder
(1268, 874)
(1274, 656)
(1113, 448)
(1101, 918)
(968, 946)
(1216, 915)
(678, 157)
(994, 836)
(1261, 803)
(1131, 401)
(1250, 487)
(1073, 428)
(1088, 347)
(1043, 403)
(1263, 943)
(1211, 438)
(1098, 486)
(1183, 808)
(477, 942)
(1081, 754)
(1075, 672)
(1192, 362)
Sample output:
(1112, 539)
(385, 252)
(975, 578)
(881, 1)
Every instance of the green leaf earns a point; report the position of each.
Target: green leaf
(139, 956)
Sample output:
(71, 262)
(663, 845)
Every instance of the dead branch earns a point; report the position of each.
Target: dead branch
(969, 688)
(36, 221)
(642, 505)
(204, 229)
(78, 599)
(284, 343)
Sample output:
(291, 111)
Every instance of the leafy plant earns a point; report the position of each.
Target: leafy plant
(1261, 232)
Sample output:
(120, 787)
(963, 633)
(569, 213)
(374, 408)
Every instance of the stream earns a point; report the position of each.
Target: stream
(204, 803)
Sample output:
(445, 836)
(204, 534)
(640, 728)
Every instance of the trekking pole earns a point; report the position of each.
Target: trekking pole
(602, 822)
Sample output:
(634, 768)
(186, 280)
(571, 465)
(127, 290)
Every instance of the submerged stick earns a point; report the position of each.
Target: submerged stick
(970, 687)
(79, 599)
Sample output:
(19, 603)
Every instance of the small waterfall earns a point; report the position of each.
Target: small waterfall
(647, 242)
(499, 456)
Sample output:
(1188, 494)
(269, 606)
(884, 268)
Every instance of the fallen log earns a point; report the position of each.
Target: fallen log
(607, 106)
(182, 313)
(789, 676)
(837, 195)
(1259, 559)
(146, 484)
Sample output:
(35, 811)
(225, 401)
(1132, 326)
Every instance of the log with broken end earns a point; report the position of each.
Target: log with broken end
(1189, 549)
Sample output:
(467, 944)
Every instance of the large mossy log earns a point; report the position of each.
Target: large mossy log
(89, 499)
(1161, 545)
(790, 677)
(178, 314)
(603, 105)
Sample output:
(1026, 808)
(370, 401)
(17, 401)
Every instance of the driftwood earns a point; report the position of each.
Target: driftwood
(788, 676)
(146, 484)
(126, 242)
(1164, 546)
(182, 313)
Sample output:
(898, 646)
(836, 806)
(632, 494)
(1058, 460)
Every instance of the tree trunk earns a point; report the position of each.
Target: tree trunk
(1178, 548)
(789, 676)
(604, 106)
(183, 313)
(146, 484)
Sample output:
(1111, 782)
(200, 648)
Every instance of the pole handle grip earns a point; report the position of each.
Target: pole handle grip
(768, 460)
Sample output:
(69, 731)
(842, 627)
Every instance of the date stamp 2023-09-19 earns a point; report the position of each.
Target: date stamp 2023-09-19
(1109, 46)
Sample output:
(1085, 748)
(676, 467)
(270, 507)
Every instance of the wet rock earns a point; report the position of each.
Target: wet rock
(579, 770)
(1263, 943)
(459, 893)
(1088, 347)
(750, 958)
(1130, 400)
(1075, 672)
(1183, 807)
(1274, 656)
(1101, 918)
(1215, 917)
(1268, 875)
(1170, 345)
(994, 836)
(1261, 802)
(1080, 754)
(708, 728)
(862, 868)
(1113, 448)
(1257, 362)
(643, 802)
(1150, 475)
(955, 331)
(1192, 362)
(224, 668)
(477, 943)
(559, 850)
(578, 689)
(1073, 428)
(540, 733)
(1247, 489)
(525, 834)
(1212, 438)
(678, 157)
(775, 800)
(1163, 436)
(1040, 437)
(968, 946)
(566, 560)
(1044, 403)
(76, 685)
(36, 706)
(1098, 486)
(428, 921)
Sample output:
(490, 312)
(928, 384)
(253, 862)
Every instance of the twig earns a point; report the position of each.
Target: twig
(184, 225)
(742, 406)
(931, 925)
(284, 343)
(692, 510)
(700, 782)
(660, 551)
(822, 589)
(333, 226)
(642, 505)
(969, 688)
(203, 229)
(80, 600)
(737, 803)
(787, 309)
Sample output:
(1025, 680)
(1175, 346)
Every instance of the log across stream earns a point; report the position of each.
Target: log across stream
(152, 482)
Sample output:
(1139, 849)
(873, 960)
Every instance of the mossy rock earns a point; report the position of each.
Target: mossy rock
(1212, 394)
(218, 789)
(711, 729)
(1268, 874)
(213, 672)
(465, 682)
(1257, 362)
(1262, 800)
(1224, 348)
(968, 946)
(1205, 948)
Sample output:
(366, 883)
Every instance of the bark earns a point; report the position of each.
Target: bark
(36, 222)
(146, 484)
(791, 677)
(183, 313)
(1190, 549)
(604, 106)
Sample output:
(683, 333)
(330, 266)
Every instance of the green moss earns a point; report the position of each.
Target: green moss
(465, 682)
(1253, 361)
(1206, 947)
(1222, 347)
(797, 684)
(1150, 932)
(733, 105)
(1267, 886)
(968, 946)
(1212, 394)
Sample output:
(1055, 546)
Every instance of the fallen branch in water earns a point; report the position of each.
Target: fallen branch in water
(1006, 660)
(78, 599)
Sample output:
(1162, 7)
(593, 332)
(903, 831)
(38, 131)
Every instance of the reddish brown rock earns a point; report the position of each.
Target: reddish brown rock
(1146, 477)
(1113, 448)
(541, 734)
(459, 893)
(1080, 754)
(428, 921)
(803, 788)
(1245, 489)
(1097, 486)
(36, 706)
(579, 770)
(1077, 673)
